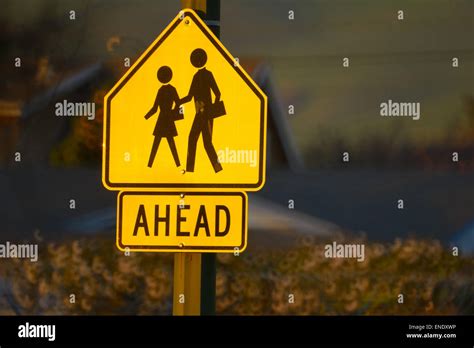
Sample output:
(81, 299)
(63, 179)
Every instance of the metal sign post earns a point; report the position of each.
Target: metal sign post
(187, 284)
(210, 12)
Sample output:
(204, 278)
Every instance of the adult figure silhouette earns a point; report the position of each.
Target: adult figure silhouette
(201, 86)
(168, 101)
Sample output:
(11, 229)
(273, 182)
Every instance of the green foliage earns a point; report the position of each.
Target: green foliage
(105, 281)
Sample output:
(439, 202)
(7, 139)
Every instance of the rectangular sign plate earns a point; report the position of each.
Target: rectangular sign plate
(182, 222)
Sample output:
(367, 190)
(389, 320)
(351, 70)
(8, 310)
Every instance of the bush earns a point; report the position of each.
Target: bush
(104, 281)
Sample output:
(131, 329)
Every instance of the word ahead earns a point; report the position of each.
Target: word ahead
(195, 221)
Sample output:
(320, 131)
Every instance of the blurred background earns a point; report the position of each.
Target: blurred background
(311, 197)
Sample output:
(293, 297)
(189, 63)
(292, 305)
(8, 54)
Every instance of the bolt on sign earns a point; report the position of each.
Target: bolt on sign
(185, 116)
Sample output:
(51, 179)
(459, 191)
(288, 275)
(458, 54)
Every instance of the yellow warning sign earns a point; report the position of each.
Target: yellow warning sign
(190, 222)
(185, 115)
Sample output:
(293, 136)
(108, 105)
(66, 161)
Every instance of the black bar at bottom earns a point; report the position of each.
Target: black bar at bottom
(135, 330)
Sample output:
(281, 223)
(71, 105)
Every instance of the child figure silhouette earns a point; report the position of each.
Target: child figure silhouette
(168, 101)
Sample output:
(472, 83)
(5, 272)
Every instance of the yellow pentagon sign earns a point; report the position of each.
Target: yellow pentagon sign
(174, 222)
(185, 115)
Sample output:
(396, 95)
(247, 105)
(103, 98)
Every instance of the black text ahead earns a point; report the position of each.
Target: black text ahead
(175, 221)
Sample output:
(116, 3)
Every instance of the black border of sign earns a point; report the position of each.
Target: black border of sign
(174, 248)
(188, 185)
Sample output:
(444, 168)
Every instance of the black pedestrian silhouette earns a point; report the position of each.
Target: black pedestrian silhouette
(202, 85)
(166, 98)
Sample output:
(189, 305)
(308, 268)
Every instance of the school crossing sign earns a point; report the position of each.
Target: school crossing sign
(184, 129)
(185, 115)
